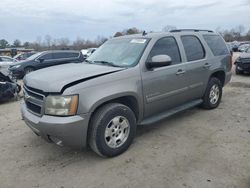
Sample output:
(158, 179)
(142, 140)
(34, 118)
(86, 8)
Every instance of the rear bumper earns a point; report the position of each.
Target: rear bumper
(69, 131)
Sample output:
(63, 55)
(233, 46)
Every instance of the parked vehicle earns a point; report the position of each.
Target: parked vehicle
(242, 63)
(44, 59)
(23, 56)
(129, 80)
(8, 87)
(5, 62)
(243, 47)
(90, 51)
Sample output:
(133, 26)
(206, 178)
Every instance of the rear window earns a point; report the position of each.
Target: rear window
(193, 48)
(216, 44)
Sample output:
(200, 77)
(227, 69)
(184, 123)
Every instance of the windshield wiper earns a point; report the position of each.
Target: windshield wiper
(107, 63)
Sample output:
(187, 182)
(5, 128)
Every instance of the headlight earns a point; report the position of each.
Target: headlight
(61, 105)
(15, 66)
(238, 59)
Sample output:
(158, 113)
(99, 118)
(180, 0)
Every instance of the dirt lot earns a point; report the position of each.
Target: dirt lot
(197, 148)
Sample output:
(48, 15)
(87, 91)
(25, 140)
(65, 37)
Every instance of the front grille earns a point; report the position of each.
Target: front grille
(34, 108)
(246, 66)
(245, 60)
(34, 100)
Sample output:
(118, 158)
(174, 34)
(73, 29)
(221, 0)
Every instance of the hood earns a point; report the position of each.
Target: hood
(54, 79)
(20, 62)
(245, 55)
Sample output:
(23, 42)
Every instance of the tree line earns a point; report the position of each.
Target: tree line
(238, 33)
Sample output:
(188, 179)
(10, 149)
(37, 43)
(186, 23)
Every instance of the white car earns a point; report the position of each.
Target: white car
(5, 62)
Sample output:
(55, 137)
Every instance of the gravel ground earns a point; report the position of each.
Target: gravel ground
(197, 148)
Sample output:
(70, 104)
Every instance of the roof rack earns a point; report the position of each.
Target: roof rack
(194, 30)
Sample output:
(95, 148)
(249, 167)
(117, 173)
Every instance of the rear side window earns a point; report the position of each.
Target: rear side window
(46, 56)
(61, 55)
(166, 46)
(193, 48)
(216, 44)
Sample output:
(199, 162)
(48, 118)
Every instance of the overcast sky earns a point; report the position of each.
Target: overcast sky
(28, 19)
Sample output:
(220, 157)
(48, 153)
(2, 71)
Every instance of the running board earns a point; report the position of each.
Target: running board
(171, 112)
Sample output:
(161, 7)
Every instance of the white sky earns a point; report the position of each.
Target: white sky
(28, 19)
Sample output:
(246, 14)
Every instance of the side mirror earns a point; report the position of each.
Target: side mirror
(41, 60)
(159, 61)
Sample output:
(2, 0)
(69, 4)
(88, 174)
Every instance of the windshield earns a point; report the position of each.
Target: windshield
(34, 56)
(119, 52)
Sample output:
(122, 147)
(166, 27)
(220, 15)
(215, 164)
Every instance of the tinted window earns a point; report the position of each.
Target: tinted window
(60, 55)
(216, 44)
(46, 56)
(193, 48)
(248, 50)
(166, 46)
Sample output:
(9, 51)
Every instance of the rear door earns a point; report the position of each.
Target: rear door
(165, 87)
(197, 66)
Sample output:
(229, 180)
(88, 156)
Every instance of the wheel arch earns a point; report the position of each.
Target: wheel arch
(220, 74)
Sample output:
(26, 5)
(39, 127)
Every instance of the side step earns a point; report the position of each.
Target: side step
(168, 113)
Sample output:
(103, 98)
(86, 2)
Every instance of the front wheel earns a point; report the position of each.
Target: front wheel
(112, 129)
(213, 94)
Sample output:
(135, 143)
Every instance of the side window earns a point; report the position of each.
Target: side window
(47, 56)
(59, 55)
(193, 48)
(166, 46)
(216, 44)
(248, 50)
(72, 55)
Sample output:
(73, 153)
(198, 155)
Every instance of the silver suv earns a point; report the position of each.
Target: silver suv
(130, 80)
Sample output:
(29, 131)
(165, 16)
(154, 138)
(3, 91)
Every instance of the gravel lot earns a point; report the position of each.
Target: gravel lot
(196, 148)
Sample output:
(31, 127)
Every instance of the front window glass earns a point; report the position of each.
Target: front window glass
(34, 56)
(120, 52)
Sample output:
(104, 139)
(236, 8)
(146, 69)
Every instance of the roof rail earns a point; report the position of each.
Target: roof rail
(194, 30)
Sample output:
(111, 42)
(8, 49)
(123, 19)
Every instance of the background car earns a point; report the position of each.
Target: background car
(5, 62)
(23, 56)
(45, 59)
(243, 47)
(242, 63)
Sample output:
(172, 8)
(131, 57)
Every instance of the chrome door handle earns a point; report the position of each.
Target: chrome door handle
(207, 65)
(180, 71)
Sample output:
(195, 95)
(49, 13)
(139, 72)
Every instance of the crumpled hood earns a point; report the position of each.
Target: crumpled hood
(53, 79)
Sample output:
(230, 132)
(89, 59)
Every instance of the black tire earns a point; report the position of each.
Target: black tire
(27, 70)
(207, 104)
(101, 119)
(237, 71)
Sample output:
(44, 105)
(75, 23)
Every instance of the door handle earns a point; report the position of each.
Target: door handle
(180, 71)
(207, 65)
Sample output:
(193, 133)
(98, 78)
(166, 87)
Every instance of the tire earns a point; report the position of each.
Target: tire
(28, 70)
(106, 121)
(210, 101)
(237, 71)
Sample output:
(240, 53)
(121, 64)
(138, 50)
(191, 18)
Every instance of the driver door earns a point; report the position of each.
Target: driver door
(165, 87)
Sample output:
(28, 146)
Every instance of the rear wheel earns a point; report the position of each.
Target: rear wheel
(213, 94)
(112, 129)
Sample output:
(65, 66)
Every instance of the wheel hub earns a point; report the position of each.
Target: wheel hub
(117, 132)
